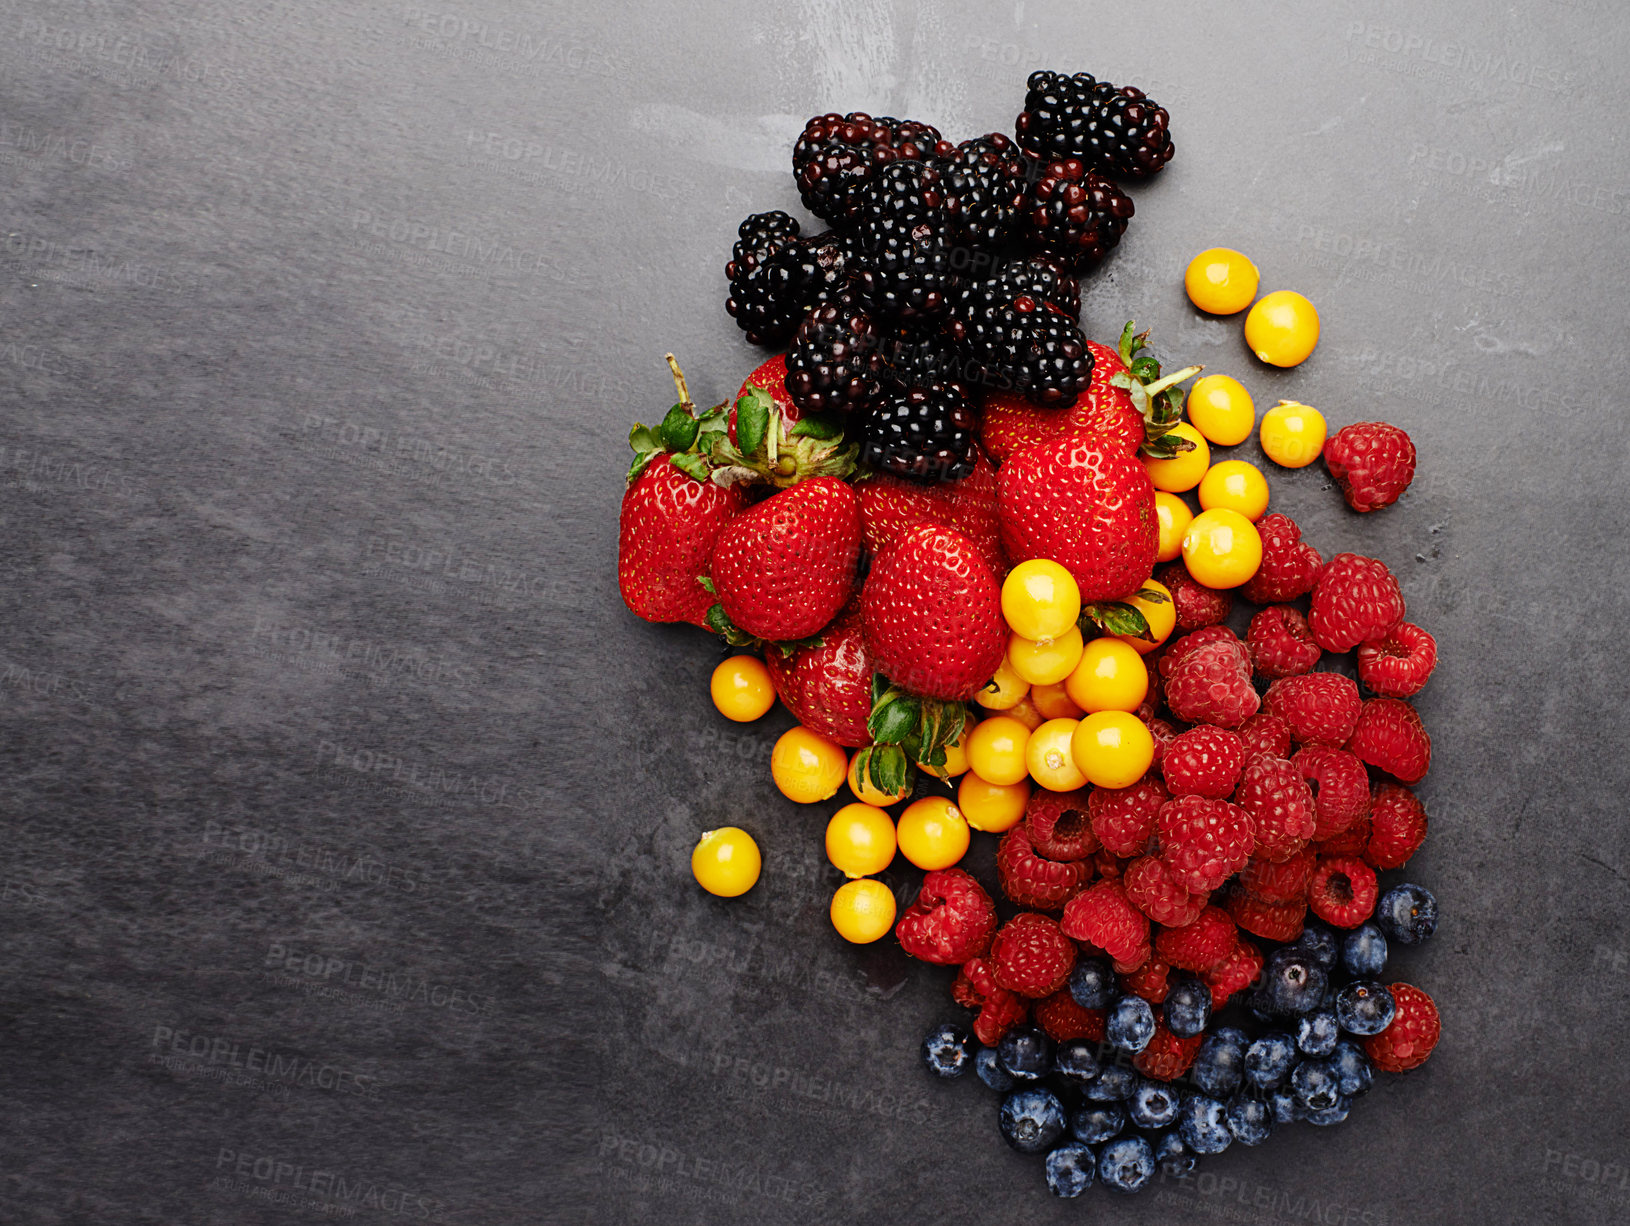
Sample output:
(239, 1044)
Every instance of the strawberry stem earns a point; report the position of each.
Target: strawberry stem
(679, 383)
(1171, 380)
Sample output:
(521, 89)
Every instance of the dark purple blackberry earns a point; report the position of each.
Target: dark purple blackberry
(1028, 348)
(903, 198)
(926, 433)
(837, 154)
(985, 183)
(1115, 130)
(769, 299)
(1074, 214)
(836, 361)
(909, 280)
(1040, 276)
(758, 238)
(920, 357)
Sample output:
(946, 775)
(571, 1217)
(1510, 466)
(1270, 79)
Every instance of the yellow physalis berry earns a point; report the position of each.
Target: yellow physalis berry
(1221, 409)
(1040, 599)
(1173, 515)
(1050, 757)
(1113, 749)
(1160, 614)
(863, 911)
(1003, 690)
(1221, 281)
(932, 833)
(1222, 549)
(726, 861)
(1047, 662)
(860, 840)
(992, 807)
(996, 750)
(1184, 470)
(1282, 329)
(1110, 677)
(1236, 485)
(806, 766)
(1054, 702)
(1292, 434)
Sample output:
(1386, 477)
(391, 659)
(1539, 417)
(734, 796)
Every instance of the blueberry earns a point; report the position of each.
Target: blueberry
(1364, 952)
(1353, 1070)
(1316, 1034)
(1269, 1060)
(1172, 1156)
(1283, 1105)
(1131, 1024)
(1365, 1007)
(1098, 1122)
(1115, 1083)
(990, 1070)
(1203, 1124)
(1315, 1085)
(1407, 914)
(1070, 1169)
(1293, 983)
(1154, 1104)
(1221, 1063)
(1026, 1053)
(1231, 1034)
(1076, 1060)
(1187, 1006)
(1031, 1120)
(945, 1051)
(1333, 1114)
(1126, 1164)
(1092, 983)
(1320, 943)
(1249, 1120)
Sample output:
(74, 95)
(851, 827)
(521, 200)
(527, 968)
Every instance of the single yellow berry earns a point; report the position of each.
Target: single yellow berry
(869, 793)
(806, 766)
(726, 861)
(1113, 749)
(932, 833)
(1222, 549)
(1040, 599)
(1221, 281)
(1160, 614)
(1292, 434)
(1050, 758)
(1282, 329)
(1111, 677)
(1004, 689)
(863, 911)
(996, 749)
(1221, 409)
(992, 807)
(1237, 486)
(1184, 470)
(1045, 663)
(860, 840)
(1173, 515)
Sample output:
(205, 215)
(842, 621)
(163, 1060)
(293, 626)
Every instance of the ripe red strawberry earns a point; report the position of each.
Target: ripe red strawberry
(1272, 790)
(1321, 708)
(1032, 880)
(828, 687)
(1264, 733)
(1397, 826)
(1272, 921)
(1281, 642)
(665, 536)
(1030, 956)
(1085, 504)
(1398, 665)
(1389, 736)
(1123, 819)
(770, 378)
(951, 921)
(1342, 891)
(1167, 1057)
(890, 504)
(1204, 761)
(1289, 568)
(1201, 945)
(1195, 604)
(999, 1009)
(1211, 684)
(1059, 824)
(1204, 841)
(1010, 423)
(785, 568)
(933, 614)
(1102, 915)
(1150, 981)
(1409, 1040)
(1159, 893)
(1356, 600)
(1064, 1020)
(1373, 462)
(1104, 408)
(1279, 883)
(1340, 786)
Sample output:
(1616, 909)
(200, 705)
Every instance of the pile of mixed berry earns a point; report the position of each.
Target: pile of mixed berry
(954, 538)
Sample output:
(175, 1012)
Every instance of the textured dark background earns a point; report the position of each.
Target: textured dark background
(348, 812)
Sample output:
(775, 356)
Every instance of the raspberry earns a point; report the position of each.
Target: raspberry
(1156, 891)
(1178, 648)
(1205, 842)
(1342, 891)
(1203, 761)
(1390, 737)
(1373, 463)
(1058, 824)
(1134, 963)
(1064, 1020)
(1108, 865)
(1211, 684)
(1235, 973)
(974, 985)
(1167, 1057)
(1397, 826)
(1340, 787)
(1398, 666)
(1163, 734)
(999, 1010)
(1356, 600)
(1289, 568)
(1123, 819)
(1264, 733)
(1201, 945)
(1321, 708)
(1102, 915)
(1276, 796)
(1349, 842)
(1283, 883)
(951, 921)
(1413, 1034)
(1272, 921)
(1149, 981)
(1195, 604)
(1031, 880)
(1281, 643)
(1031, 956)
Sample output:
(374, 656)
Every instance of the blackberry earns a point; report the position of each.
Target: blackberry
(769, 294)
(836, 361)
(1030, 348)
(985, 183)
(1118, 130)
(757, 239)
(927, 433)
(909, 279)
(903, 198)
(1074, 214)
(837, 154)
(1039, 275)
(919, 356)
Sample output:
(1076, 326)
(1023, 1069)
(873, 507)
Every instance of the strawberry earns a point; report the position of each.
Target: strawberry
(783, 569)
(828, 686)
(1087, 505)
(889, 504)
(768, 437)
(1010, 422)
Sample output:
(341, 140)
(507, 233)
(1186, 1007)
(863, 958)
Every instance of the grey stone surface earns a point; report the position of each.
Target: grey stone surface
(347, 810)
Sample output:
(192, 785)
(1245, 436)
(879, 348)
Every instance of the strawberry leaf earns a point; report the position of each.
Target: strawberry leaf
(895, 719)
(753, 420)
(817, 426)
(692, 465)
(707, 583)
(719, 622)
(885, 767)
(1150, 596)
(678, 429)
(1115, 617)
(643, 438)
(1167, 446)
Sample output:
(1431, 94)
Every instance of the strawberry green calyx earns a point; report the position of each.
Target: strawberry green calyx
(684, 435)
(719, 622)
(1119, 617)
(904, 729)
(766, 447)
(1159, 399)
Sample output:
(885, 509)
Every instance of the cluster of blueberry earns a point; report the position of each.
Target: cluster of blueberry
(1094, 1116)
